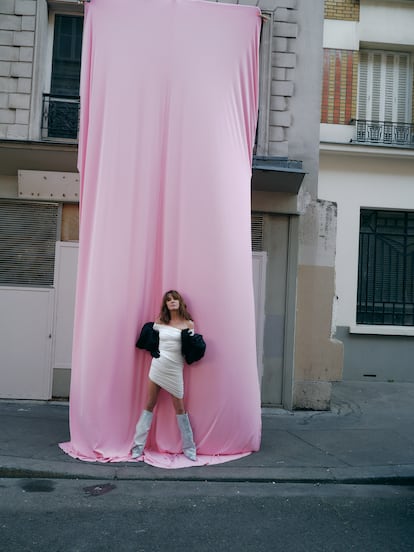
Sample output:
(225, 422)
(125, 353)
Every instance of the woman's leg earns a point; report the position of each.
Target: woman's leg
(153, 391)
(178, 405)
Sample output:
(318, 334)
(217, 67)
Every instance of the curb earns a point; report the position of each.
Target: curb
(378, 475)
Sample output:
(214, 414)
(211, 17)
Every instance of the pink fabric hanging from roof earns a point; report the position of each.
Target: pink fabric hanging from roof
(169, 106)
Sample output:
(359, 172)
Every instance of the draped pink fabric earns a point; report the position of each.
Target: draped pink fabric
(168, 117)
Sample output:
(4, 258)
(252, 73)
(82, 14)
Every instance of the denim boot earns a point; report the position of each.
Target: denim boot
(189, 448)
(141, 433)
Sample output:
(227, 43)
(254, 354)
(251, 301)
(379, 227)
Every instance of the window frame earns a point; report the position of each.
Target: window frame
(48, 62)
(368, 107)
(368, 303)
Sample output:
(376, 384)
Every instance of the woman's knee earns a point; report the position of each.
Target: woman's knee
(178, 405)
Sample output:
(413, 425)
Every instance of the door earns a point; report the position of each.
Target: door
(28, 231)
(25, 342)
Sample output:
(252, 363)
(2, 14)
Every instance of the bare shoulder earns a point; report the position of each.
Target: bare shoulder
(190, 324)
(158, 321)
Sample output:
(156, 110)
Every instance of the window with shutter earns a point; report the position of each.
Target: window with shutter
(386, 268)
(28, 234)
(384, 87)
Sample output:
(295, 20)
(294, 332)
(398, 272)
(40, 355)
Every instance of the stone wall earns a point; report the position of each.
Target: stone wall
(17, 38)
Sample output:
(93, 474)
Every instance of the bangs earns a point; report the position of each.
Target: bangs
(173, 295)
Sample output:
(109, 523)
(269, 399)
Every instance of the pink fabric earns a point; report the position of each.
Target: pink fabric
(169, 107)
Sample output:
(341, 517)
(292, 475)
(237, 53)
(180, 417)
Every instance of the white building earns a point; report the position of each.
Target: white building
(367, 169)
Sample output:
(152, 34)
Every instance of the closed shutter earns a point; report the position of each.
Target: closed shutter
(384, 90)
(363, 85)
(28, 234)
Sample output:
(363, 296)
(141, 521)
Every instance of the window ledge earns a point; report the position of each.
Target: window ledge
(381, 330)
(366, 150)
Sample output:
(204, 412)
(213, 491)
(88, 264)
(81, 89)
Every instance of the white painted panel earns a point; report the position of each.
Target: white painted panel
(49, 185)
(337, 133)
(25, 342)
(388, 22)
(259, 285)
(341, 35)
(65, 284)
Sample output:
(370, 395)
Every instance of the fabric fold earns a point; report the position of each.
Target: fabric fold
(168, 116)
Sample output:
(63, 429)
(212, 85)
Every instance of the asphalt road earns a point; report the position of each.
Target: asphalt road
(133, 516)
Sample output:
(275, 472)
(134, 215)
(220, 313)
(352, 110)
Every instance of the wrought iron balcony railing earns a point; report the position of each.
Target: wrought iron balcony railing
(60, 117)
(385, 133)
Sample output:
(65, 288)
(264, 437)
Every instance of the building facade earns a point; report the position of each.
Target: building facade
(367, 169)
(293, 231)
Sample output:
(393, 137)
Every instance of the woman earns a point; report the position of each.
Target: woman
(164, 339)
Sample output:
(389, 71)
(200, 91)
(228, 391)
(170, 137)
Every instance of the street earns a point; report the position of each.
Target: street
(140, 516)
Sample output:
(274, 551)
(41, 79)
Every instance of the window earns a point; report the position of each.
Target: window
(61, 106)
(384, 99)
(28, 233)
(386, 268)
(384, 89)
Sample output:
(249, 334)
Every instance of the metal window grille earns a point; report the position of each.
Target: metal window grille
(28, 233)
(60, 117)
(257, 232)
(386, 268)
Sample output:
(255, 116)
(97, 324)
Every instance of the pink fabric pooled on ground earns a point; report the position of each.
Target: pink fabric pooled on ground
(168, 116)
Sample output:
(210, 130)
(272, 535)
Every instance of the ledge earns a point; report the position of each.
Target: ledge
(366, 150)
(277, 174)
(365, 329)
(37, 156)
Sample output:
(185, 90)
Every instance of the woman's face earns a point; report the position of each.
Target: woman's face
(172, 304)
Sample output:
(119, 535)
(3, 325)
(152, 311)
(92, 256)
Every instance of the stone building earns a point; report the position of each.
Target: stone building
(293, 231)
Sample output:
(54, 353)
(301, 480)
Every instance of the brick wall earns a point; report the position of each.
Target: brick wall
(346, 10)
(339, 87)
(17, 32)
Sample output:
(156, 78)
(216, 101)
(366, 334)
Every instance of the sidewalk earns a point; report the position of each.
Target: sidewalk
(367, 437)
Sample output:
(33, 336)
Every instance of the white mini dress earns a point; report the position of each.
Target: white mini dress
(167, 370)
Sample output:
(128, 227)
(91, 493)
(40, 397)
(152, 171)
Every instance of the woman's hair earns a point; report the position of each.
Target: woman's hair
(165, 316)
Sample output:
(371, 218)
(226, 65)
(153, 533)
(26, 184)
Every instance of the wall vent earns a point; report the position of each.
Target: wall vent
(257, 232)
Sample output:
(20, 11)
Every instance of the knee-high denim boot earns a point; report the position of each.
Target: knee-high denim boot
(189, 448)
(141, 433)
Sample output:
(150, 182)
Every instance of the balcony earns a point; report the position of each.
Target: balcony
(60, 118)
(383, 133)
